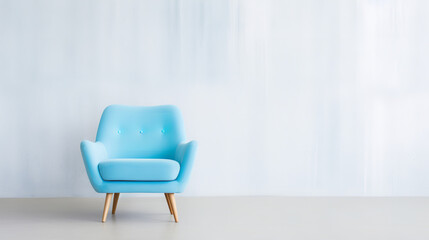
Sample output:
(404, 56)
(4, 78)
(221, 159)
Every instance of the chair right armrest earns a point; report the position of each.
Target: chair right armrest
(185, 155)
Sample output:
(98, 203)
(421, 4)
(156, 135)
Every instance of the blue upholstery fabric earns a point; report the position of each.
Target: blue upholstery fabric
(142, 132)
(139, 169)
(139, 132)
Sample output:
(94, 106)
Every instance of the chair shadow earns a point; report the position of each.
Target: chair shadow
(88, 210)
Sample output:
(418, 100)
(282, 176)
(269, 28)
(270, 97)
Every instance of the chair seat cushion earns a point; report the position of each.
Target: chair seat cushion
(139, 169)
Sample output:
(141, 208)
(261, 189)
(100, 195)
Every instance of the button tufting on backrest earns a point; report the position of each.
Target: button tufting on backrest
(141, 132)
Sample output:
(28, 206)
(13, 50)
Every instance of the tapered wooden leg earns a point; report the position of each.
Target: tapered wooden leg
(106, 206)
(168, 202)
(115, 202)
(173, 206)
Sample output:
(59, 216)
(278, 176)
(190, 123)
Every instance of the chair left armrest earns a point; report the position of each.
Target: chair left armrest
(185, 154)
(93, 153)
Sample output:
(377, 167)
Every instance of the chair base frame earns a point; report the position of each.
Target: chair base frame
(169, 197)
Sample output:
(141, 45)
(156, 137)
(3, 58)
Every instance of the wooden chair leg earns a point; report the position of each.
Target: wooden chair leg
(106, 206)
(168, 202)
(173, 206)
(115, 202)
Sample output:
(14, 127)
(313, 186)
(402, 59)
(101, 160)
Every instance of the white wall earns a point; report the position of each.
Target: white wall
(289, 97)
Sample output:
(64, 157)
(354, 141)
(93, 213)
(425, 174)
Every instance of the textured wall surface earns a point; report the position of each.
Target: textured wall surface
(285, 97)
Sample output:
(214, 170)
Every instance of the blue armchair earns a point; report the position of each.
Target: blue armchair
(139, 150)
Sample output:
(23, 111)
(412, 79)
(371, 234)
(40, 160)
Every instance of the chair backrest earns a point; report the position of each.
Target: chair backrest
(141, 132)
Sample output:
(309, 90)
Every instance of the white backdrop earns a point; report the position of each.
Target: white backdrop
(289, 97)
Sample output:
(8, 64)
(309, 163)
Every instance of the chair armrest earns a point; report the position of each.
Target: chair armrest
(185, 154)
(92, 154)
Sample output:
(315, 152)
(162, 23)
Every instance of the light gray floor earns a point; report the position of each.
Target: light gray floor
(218, 218)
